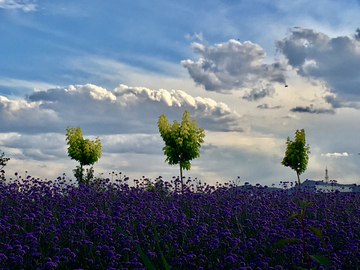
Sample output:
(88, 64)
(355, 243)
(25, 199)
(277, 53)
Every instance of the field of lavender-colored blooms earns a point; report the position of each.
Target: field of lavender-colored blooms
(60, 225)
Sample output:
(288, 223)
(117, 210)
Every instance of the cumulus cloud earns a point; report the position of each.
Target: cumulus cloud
(267, 106)
(310, 109)
(211, 114)
(357, 35)
(25, 5)
(46, 146)
(234, 65)
(337, 102)
(336, 61)
(335, 155)
(258, 93)
(99, 111)
(29, 117)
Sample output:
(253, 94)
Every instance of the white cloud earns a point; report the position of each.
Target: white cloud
(234, 65)
(125, 110)
(25, 5)
(20, 115)
(344, 154)
(198, 36)
(175, 98)
(336, 61)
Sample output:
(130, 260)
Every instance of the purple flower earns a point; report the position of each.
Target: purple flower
(63, 258)
(150, 254)
(8, 247)
(66, 251)
(17, 247)
(230, 259)
(263, 265)
(55, 239)
(49, 265)
(3, 257)
(36, 255)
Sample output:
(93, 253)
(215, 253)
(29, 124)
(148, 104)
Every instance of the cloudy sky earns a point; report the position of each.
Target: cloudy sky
(113, 67)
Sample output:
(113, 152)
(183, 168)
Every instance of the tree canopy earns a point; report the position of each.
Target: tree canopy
(296, 154)
(182, 141)
(86, 152)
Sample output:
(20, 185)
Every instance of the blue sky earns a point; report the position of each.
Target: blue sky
(114, 67)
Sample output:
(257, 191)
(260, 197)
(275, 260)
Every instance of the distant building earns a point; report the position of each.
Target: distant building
(326, 187)
(309, 185)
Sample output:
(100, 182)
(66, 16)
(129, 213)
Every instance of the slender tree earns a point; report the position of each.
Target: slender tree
(86, 152)
(296, 154)
(3, 162)
(182, 141)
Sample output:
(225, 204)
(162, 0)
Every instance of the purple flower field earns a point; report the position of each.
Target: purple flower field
(58, 225)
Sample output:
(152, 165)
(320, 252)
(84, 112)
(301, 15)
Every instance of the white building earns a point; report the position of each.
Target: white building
(331, 186)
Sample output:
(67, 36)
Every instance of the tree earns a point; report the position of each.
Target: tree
(296, 155)
(86, 152)
(3, 162)
(182, 142)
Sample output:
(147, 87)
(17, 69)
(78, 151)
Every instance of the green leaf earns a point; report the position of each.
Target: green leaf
(308, 204)
(287, 240)
(293, 215)
(322, 260)
(318, 233)
(148, 264)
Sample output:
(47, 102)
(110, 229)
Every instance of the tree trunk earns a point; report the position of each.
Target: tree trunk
(182, 183)
(82, 176)
(298, 180)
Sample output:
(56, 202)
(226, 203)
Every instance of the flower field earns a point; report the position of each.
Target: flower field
(58, 225)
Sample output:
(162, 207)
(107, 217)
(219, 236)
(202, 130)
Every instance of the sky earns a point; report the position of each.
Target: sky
(249, 72)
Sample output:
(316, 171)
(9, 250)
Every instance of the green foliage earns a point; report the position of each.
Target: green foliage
(296, 154)
(320, 259)
(3, 162)
(182, 141)
(86, 152)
